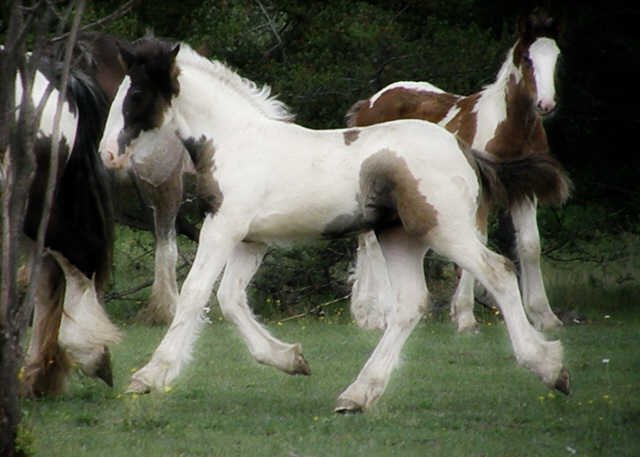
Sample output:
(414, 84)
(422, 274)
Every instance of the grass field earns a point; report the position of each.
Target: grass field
(453, 395)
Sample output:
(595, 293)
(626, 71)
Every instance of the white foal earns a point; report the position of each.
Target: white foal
(263, 180)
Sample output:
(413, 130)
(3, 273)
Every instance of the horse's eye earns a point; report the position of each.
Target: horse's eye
(527, 61)
(136, 96)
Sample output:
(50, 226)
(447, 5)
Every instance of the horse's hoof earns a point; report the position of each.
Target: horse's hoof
(138, 387)
(103, 368)
(300, 366)
(346, 406)
(563, 382)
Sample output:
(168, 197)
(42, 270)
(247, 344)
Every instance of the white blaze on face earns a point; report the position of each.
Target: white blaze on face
(544, 54)
(109, 148)
(68, 121)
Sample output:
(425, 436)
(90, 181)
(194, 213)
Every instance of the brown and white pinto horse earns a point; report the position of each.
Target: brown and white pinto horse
(505, 121)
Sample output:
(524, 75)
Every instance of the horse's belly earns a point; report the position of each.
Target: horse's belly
(314, 219)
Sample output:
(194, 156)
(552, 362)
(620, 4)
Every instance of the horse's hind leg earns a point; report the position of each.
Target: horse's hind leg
(403, 254)
(371, 291)
(462, 304)
(264, 347)
(534, 295)
(463, 300)
(497, 274)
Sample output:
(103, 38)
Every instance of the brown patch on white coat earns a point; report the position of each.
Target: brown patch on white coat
(202, 153)
(388, 187)
(350, 136)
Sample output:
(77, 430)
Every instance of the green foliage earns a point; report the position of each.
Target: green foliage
(26, 441)
(300, 279)
(606, 284)
(322, 57)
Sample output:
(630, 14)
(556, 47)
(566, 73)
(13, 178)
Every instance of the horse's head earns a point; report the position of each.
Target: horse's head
(535, 55)
(142, 100)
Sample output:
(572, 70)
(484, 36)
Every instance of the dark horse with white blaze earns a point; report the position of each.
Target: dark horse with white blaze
(69, 324)
(263, 180)
(160, 183)
(504, 120)
(68, 319)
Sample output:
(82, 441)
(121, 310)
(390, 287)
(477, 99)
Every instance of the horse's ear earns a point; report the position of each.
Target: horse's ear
(128, 59)
(557, 27)
(524, 27)
(173, 69)
(174, 52)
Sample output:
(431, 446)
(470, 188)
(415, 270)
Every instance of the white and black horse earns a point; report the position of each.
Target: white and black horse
(504, 120)
(263, 180)
(69, 325)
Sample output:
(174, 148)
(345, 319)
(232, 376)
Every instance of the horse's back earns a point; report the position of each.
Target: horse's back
(313, 183)
(68, 120)
(404, 100)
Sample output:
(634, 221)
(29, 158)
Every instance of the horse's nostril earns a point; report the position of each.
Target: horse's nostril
(546, 107)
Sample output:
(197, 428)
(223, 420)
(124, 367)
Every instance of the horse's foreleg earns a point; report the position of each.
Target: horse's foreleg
(264, 347)
(216, 244)
(534, 295)
(165, 198)
(403, 255)
(371, 292)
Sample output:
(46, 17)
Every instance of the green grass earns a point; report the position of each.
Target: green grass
(453, 395)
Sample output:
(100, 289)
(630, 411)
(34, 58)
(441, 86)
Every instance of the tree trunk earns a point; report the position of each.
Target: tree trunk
(9, 334)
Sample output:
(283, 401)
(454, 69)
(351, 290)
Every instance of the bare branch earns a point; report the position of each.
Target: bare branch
(55, 150)
(117, 14)
(272, 27)
(313, 310)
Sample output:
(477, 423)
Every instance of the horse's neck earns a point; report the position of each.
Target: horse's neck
(205, 105)
(505, 113)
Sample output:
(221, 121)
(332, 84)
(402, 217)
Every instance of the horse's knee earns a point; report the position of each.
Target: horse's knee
(409, 310)
(529, 246)
(228, 298)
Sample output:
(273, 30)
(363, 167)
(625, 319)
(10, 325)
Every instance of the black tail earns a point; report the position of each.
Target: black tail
(509, 182)
(84, 197)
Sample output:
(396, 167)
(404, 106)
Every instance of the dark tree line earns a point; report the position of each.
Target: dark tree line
(321, 57)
